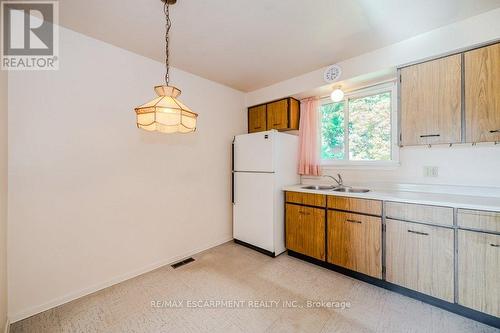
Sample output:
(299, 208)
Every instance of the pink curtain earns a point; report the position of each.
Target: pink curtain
(309, 163)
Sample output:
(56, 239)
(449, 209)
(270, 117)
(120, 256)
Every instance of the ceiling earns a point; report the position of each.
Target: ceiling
(252, 44)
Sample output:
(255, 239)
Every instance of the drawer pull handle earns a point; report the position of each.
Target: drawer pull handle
(418, 232)
(495, 131)
(430, 135)
(304, 213)
(353, 221)
(495, 245)
(258, 127)
(277, 124)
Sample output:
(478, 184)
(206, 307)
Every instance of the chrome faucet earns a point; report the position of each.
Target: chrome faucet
(339, 181)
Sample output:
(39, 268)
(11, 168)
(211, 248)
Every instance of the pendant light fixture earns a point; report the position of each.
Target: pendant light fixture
(337, 95)
(166, 113)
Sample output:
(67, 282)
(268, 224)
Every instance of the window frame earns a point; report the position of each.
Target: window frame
(345, 163)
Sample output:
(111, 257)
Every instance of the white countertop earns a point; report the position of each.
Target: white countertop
(424, 198)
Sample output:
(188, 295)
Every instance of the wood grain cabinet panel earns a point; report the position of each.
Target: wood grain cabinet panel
(431, 102)
(421, 258)
(309, 199)
(482, 94)
(305, 230)
(257, 119)
(281, 115)
(365, 206)
(355, 242)
(479, 220)
(277, 115)
(479, 271)
(419, 213)
(294, 114)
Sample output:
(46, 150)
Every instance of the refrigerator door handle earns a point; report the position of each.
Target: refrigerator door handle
(232, 187)
(232, 171)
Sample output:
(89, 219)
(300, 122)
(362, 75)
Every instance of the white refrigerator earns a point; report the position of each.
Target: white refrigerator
(263, 163)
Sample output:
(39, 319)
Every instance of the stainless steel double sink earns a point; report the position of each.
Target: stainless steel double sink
(344, 189)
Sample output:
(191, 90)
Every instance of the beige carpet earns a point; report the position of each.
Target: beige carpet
(243, 279)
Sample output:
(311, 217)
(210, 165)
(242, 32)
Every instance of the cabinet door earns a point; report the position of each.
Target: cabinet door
(420, 257)
(354, 242)
(482, 94)
(479, 271)
(305, 230)
(257, 119)
(431, 102)
(277, 115)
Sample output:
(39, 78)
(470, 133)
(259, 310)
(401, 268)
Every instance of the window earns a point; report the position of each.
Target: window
(361, 129)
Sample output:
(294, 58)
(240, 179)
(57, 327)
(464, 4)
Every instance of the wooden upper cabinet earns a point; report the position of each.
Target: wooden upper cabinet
(280, 115)
(431, 102)
(277, 115)
(257, 118)
(482, 94)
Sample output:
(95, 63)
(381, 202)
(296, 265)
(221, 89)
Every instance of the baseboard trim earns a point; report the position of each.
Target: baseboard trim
(15, 317)
(255, 248)
(451, 307)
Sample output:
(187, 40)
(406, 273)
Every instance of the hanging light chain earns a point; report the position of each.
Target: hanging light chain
(168, 24)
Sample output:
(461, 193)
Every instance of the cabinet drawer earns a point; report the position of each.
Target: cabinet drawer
(479, 219)
(420, 257)
(309, 199)
(372, 207)
(305, 230)
(479, 271)
(419, 213)
(355, 242)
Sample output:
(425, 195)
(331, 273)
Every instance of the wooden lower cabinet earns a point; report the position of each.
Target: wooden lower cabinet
(355, 242)
(479, 271)
(436, 215)
(420, 257)
(363, 206)
(305, 230)
(309, 199)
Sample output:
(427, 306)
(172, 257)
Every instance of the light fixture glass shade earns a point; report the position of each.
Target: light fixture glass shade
(166, 113)
(337, 95)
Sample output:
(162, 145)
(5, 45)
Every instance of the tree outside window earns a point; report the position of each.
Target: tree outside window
(367, 136)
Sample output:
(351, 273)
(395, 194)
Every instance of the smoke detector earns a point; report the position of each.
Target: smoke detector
(332, 73)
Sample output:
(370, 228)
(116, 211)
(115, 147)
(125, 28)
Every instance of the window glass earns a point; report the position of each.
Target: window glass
(332, 131)
(370, 128)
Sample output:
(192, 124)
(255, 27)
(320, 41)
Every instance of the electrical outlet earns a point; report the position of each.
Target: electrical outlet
(431, 171)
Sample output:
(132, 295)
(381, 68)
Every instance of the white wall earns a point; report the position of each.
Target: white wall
(3, 199)
(474, 30)
(92, 199)
(459, 165)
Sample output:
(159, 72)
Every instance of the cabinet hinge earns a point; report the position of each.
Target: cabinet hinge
(383, 270)
(383, 227)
